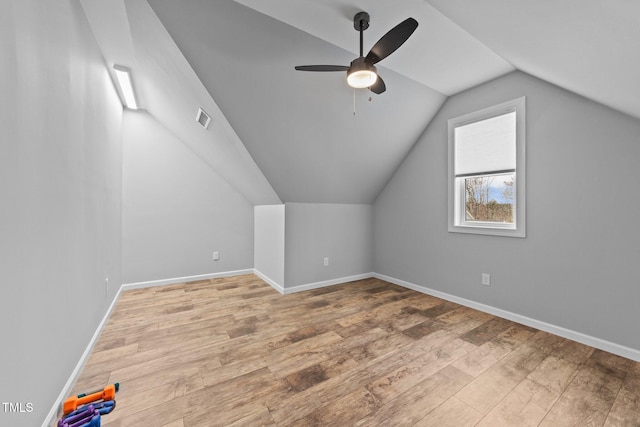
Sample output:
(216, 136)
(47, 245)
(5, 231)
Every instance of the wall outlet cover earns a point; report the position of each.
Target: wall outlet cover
(486, 279)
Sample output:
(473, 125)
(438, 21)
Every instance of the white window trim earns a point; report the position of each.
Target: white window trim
(456, 222)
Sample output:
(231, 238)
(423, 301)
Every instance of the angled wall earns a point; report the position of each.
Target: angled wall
(268, 249)
(176, 210)
(60, 180)
(576, 269)
(301, 246)
(343, 233)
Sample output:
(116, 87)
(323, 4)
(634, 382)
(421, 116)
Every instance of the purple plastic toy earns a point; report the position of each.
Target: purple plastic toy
(87, 417)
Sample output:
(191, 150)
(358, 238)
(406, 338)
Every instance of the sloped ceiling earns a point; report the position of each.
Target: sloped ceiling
(591, 47)
(130, 34)
(441, 55)
(300, 127)
(237, 58)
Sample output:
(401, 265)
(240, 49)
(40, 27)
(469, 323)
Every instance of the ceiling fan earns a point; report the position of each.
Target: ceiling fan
(362, 72)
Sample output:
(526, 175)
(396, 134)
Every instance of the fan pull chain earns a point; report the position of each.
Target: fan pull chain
(354, 102)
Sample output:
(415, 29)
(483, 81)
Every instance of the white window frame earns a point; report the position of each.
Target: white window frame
(457, 222)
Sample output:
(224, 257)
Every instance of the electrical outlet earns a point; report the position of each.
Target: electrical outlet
(216, 256)
(486, 279)
(326, 261)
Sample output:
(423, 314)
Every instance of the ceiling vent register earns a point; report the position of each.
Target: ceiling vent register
(203, 118)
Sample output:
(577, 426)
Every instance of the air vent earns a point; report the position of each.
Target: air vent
(203, 118)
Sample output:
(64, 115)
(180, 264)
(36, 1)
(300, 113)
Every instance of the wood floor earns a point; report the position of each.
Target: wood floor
(234, 352)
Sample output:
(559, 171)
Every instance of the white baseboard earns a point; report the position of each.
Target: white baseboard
(175, 280)
(308, 286)
(620, 350)
(275, 285)
(325, 283)
(52, 417)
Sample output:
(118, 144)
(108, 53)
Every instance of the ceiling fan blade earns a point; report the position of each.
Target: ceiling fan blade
(392, 40)
(322, 67)
(379, 86)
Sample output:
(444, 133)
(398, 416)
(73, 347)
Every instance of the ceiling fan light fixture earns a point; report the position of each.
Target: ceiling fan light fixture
(361, 79)
(361, 74)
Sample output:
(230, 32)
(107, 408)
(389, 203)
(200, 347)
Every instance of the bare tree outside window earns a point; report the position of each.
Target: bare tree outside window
(489, 198)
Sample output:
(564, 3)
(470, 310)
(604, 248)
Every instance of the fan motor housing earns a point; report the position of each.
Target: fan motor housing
(360, 64)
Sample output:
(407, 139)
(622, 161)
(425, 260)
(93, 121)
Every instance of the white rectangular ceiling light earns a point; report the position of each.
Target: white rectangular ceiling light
(203, 118)
(126, 87)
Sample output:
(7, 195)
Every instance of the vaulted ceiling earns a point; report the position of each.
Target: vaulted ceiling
(298, 130)
(300, 127)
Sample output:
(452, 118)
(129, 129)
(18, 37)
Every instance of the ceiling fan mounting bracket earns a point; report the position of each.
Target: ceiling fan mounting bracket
(361, 18)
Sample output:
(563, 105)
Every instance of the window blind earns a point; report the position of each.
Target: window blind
(487, 146)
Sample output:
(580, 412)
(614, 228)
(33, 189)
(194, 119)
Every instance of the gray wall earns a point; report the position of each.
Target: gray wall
(268, 252)
(342, 232)
(177, 210)
(60, 181)
(577, 267)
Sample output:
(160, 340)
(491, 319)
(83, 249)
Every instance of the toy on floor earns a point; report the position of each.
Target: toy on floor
(88, 416)
(103, 408)
(72, 403)
(85, 409)
(115, 385)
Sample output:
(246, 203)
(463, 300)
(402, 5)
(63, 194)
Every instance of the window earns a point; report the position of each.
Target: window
(487, 171)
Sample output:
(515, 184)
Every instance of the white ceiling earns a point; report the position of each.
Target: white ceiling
(440, 54)
(591, 47)
(299, 127)
(298, 130)
(130, 34)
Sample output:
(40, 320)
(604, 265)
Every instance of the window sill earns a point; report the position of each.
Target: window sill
(488, 230)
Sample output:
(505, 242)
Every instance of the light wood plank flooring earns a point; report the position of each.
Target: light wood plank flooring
(234, 352)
